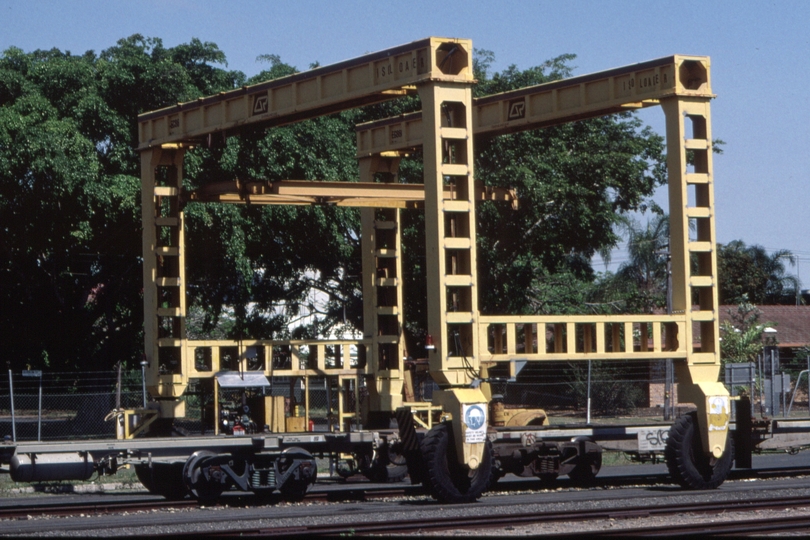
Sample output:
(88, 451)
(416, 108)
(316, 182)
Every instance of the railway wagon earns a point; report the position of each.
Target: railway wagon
(461, 440)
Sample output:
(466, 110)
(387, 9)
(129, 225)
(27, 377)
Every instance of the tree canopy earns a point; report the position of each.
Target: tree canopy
(69, 193)
(750, 274)
(742, 336)
(70, 217)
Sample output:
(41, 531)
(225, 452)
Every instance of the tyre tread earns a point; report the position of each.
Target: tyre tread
(435, 447)
(685, 459)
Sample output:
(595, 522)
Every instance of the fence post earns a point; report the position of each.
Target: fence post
(760, 361)
(143, 380)
(588, 410)
(773, 401)
(39, 411)
(118, 389)
(669, 390)
(13, 420)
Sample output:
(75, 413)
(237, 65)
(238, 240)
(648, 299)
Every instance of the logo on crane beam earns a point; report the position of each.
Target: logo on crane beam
(260, 104)
(517, 109)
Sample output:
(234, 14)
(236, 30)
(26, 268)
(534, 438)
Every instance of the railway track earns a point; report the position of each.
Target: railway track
(788, 523)
(383, 525)
(581, 520)
(110, 507)
(344, 493)
(746, 527)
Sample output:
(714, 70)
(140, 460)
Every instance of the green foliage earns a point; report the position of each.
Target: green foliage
(611, 391)
(749, 273)
(645, 275)
(741, 339)
(70, 272)
(574, 182)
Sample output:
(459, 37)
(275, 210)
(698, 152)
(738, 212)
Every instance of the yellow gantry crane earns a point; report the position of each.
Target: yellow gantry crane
(465, 343)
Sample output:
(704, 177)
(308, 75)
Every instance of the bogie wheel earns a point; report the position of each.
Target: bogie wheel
(294, 489)
(584, 474)
(165, 479)
(497, 473)
(688, 465)
(445, 479)
(547, 478)
(202, 478)
(387, 466)
(588, 464)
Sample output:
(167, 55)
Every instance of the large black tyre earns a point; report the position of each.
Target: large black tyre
(688, 465)
(446, 480)
(165, 479)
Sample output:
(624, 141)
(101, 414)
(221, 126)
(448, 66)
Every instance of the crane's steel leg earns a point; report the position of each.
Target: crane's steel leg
(694, 262)
(164, 293)
(451, 264)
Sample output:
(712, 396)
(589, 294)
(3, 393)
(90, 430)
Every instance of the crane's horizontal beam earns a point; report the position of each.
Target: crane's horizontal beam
(354, 194)
(368, 79)
(558, 102)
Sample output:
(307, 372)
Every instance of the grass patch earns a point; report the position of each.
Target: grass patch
(10, 488)
(614, 459)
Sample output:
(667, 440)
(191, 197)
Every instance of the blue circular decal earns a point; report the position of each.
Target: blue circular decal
(475, 417)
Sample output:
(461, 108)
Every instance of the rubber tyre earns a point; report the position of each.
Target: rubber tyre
(688, 465)
(445, 479)
(164, 479)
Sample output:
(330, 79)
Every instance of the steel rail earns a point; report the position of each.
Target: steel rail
(746, 527)
(106, 507)
(110, 507)
(518, 519)
(354, 491)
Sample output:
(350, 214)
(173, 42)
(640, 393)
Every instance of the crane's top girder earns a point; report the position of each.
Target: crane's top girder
(352, 83)
(577, 98)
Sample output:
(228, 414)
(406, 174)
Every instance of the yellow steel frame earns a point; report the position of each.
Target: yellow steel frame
(440, 70)
(166, 134)
(559, 102)
(681, 86)
(364, 194)
(369, 79)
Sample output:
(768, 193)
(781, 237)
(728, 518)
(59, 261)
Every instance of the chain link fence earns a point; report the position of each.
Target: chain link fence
(64, 406)
(74, 405)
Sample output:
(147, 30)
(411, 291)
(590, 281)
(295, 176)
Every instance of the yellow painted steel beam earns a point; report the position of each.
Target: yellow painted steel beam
(316, 348)
(583, 337)
(587, 96)
(353, 83)
(164, 292)
(452, 293)
(355, 194)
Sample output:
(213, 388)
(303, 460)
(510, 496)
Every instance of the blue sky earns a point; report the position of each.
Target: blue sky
(760, 55)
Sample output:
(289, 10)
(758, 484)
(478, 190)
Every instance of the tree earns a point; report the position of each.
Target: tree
(748, 273)
(575, 183)
(741, 339)
(646, 272)
(70, 219)
(70, 276)
(277, 255)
